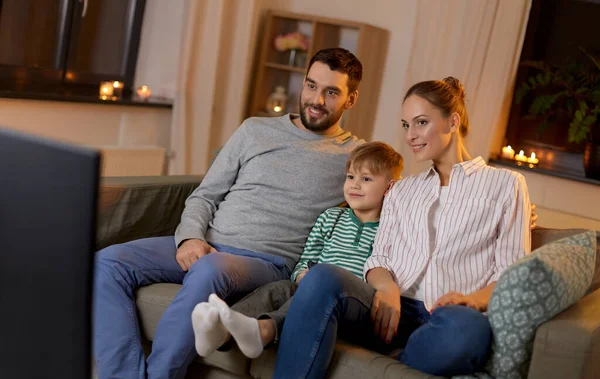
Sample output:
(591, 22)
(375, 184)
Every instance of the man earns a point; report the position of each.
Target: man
(243, 227)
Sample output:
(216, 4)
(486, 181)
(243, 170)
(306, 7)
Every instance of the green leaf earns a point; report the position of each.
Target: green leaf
(578, 131)
(583, 107)
(542, 104)
(522, 92)
(578, 115)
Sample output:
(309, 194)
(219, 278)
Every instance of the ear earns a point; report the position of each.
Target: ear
(455, 122)
(392, 182)
(352, 99)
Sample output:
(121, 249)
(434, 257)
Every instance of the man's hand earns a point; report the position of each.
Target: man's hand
(190, 251)
(457, 298)
(385, 313)
(534, 217)
(300, 276)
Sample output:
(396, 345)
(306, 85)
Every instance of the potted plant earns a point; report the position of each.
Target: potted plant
(568, 90)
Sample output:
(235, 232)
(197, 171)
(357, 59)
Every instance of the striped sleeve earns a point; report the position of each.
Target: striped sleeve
(514, 235)
(382, 246)
(313, 247)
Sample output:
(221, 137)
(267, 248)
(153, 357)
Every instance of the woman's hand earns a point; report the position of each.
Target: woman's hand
(385, 313)
(457, 298)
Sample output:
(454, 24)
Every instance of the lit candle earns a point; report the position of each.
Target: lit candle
(144, 92)
(106, 90)
(532, 159)
(277, 108)
(508, 152)
(521, 157)
(118, 88)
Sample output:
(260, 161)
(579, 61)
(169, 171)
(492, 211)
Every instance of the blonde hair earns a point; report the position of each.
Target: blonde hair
(378, 158)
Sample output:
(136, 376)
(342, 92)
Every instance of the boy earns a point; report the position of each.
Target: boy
(341, 236)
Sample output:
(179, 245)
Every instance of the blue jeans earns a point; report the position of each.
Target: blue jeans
(120, 269)
(450, 341)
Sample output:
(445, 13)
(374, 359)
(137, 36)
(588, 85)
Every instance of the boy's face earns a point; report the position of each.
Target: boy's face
(364, 190)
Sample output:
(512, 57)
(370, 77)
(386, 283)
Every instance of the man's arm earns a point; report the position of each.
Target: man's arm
(312, 249)
(201, 205)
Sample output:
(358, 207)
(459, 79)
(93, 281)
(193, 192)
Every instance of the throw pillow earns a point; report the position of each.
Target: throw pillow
(532, 291)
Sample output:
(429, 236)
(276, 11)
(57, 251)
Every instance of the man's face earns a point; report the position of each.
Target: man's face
(324, 97)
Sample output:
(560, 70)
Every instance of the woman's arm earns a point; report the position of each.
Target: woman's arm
(385, 310)
(514, 232)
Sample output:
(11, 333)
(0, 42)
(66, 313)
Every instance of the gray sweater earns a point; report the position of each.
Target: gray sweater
(266, 188)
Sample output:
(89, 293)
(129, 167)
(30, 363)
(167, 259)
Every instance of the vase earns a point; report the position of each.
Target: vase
(591, 161)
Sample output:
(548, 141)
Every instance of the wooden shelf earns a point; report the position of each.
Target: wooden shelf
(284, 67)
(367, 42)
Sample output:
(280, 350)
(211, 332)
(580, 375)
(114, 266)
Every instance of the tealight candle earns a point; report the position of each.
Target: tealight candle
(106, 90)
(118, 88)
(532, 159)
(521, 157)
(144, 92)
(508, 152)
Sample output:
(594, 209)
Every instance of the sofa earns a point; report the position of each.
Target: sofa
(567, 346)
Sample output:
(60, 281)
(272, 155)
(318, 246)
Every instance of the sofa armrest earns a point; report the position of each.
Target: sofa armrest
(568, 346)
(138, 207)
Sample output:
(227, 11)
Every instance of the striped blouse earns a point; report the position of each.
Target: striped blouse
(483, 227)
(340, 238)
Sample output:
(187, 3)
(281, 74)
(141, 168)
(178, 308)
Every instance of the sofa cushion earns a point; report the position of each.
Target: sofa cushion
(153, 300)
(532, 291)
(543, 236)
(349, 361)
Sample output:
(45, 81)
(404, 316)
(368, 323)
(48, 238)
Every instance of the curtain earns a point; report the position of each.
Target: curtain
(212, 80)
(479, 42)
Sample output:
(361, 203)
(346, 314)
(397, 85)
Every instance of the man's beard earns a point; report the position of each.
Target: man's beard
(325, 123)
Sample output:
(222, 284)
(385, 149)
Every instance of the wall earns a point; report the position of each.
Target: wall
(90, 124)
(563, 203)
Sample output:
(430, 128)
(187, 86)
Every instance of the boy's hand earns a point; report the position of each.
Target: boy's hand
(190, 251)
(300, 276)
(385, 313)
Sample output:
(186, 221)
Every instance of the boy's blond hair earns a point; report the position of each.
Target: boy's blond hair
(378, 158)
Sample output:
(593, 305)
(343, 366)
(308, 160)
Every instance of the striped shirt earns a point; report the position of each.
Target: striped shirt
(483, 227)
(338, 238)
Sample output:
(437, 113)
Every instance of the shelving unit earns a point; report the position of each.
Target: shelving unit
(367, 42)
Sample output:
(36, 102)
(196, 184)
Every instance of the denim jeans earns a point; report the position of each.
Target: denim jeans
(120, 269)
(452, 340)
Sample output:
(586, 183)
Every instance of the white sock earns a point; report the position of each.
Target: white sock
(208, 329)
(243, 329)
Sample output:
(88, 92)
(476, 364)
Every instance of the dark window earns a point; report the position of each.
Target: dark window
(68, 45)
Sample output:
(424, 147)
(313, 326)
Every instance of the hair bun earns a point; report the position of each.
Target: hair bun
(456, 85)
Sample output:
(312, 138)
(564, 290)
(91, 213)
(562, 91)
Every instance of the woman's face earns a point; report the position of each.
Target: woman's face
(427, 132)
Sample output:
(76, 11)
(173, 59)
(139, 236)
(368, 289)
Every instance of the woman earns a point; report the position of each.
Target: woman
(445, 237)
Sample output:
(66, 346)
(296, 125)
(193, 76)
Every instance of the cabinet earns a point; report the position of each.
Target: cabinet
(275, 68)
